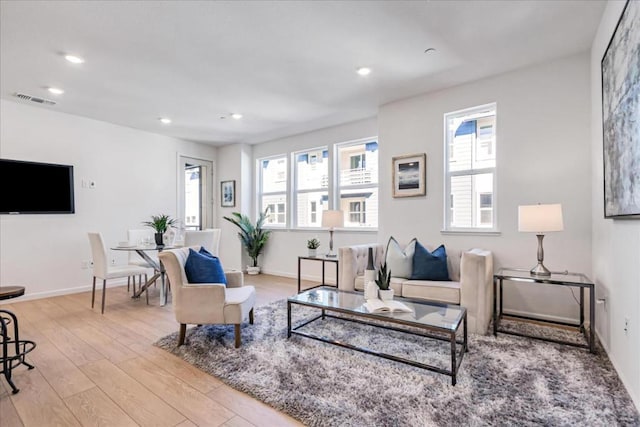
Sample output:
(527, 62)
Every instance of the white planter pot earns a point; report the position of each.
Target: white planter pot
(386, 295)
(313, 252)
(253, 270)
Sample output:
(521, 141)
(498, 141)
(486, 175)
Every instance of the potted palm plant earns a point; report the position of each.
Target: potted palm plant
(252, 236)
(160, 223)
(383, 281)
(313, 245)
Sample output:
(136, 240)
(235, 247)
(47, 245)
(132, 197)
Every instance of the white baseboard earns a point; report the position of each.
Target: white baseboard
(65, 291)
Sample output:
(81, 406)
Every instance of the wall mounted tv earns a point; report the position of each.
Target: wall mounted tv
(35, 188)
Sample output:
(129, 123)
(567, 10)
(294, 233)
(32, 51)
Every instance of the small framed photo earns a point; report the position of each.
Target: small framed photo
(410, 175)
(228, 194)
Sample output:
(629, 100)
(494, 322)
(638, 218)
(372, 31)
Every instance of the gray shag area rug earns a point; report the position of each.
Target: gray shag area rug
(503, 381)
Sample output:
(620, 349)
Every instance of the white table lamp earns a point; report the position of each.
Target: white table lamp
(540, 219)
(331, 220)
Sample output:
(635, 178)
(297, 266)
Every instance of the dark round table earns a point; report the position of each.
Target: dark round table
(14, 349)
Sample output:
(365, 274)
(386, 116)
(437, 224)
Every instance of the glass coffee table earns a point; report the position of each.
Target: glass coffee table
(425, 319)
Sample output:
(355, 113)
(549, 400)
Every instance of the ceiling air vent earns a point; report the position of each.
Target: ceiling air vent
(25, 97)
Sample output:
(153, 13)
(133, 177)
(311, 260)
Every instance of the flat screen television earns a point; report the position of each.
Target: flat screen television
(35, 188)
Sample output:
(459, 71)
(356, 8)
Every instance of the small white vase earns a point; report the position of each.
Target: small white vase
(253, 270)
(313, 252)
(370, 290)
(386, 295)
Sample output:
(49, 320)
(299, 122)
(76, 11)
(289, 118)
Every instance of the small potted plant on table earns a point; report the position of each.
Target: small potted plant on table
(160, 223)
(313, 245)
(383, 281)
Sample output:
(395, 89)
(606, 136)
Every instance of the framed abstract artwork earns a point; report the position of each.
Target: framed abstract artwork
(621, 117)
(409, 175)
(228, 194)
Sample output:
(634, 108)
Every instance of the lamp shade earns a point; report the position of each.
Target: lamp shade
(332, 219)
(540, 218)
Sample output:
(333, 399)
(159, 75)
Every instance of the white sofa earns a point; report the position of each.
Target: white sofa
(471, 274)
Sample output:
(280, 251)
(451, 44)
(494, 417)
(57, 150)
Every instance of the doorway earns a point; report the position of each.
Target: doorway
(195, 193)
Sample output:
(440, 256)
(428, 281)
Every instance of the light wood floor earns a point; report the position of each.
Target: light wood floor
(102, 370)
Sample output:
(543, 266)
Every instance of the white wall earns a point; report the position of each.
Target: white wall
(542, 149)
(136, 177)
(284, 246)
(616, 243)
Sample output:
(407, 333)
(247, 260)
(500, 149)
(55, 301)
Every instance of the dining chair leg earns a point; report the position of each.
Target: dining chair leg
(237, 334)
(146, 291)
(93, 292)
(183, 331)
(104, 290)
(251, 317)
(128, 283)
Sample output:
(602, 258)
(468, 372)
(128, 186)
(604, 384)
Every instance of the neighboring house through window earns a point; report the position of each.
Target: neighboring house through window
(357, 190)
(470, 169)
(311, 189)
(273, 190)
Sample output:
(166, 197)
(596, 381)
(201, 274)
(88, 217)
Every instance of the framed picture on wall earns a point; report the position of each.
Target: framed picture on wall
(410, 175)
(620, 112)
(228, 194)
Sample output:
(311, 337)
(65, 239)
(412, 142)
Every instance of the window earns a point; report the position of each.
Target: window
(311, 186)
(357, 188)
(470, 169)
(273, 190)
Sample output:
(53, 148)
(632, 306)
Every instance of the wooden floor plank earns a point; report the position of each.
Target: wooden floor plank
(94, 409)
(139, 403)
(251, 409)
(188, 373)
(112, 350)
(196, 406)
(238, 421)
(62, 374)
(8, 415)
(38, 404)
(71, 346)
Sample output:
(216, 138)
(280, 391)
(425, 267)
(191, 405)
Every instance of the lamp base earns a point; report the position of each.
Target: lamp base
(540, 270)
(331, 255)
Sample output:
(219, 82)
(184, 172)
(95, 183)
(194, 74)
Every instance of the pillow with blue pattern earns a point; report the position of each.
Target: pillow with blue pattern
(430, 265)
(202, 267)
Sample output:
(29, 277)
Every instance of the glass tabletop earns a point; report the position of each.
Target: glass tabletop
(524, 275)
(438, 315)
(152, 247)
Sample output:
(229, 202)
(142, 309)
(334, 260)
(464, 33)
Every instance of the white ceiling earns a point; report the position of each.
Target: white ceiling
(288, 67)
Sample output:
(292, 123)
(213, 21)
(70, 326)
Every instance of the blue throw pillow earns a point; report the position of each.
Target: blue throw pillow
(202, 267)
(429, 265)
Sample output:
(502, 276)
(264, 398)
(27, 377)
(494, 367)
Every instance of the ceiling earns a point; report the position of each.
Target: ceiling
(288, 67)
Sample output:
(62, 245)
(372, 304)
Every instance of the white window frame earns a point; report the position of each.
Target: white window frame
(285, 193)
(338, 188)
(473, 112)
(294, 186)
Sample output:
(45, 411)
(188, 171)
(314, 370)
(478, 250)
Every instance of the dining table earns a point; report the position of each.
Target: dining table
(158, 268)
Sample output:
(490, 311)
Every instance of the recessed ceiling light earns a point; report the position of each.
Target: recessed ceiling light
(165, 120)
(55, 91)
(74, 59)
(236, 116)
(363, 71)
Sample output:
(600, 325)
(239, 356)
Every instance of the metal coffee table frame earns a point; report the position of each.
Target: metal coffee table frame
(456, 357)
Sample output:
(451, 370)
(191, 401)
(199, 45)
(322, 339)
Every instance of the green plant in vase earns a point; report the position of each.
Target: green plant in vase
(253, 237)
(160, 223)
(313, 245)
(384, 281)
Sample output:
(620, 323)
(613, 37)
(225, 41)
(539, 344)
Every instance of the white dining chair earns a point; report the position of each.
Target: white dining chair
(102, 270)
(136, 237)
(208, 239)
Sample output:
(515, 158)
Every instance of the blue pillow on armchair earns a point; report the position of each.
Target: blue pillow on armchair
(430, 265)
(202, 267)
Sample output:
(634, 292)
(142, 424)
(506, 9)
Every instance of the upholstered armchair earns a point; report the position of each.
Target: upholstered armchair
(207, 303)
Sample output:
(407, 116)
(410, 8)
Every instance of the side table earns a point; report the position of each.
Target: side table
(324, 260)
(577, 280)
(13, 350)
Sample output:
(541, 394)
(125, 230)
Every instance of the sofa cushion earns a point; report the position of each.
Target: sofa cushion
(429, 265)
(399, 260)
(445, 291)
(202, 267)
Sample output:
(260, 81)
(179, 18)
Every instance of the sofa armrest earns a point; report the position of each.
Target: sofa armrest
(352, 260)
(476, 278)
(235, 278)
